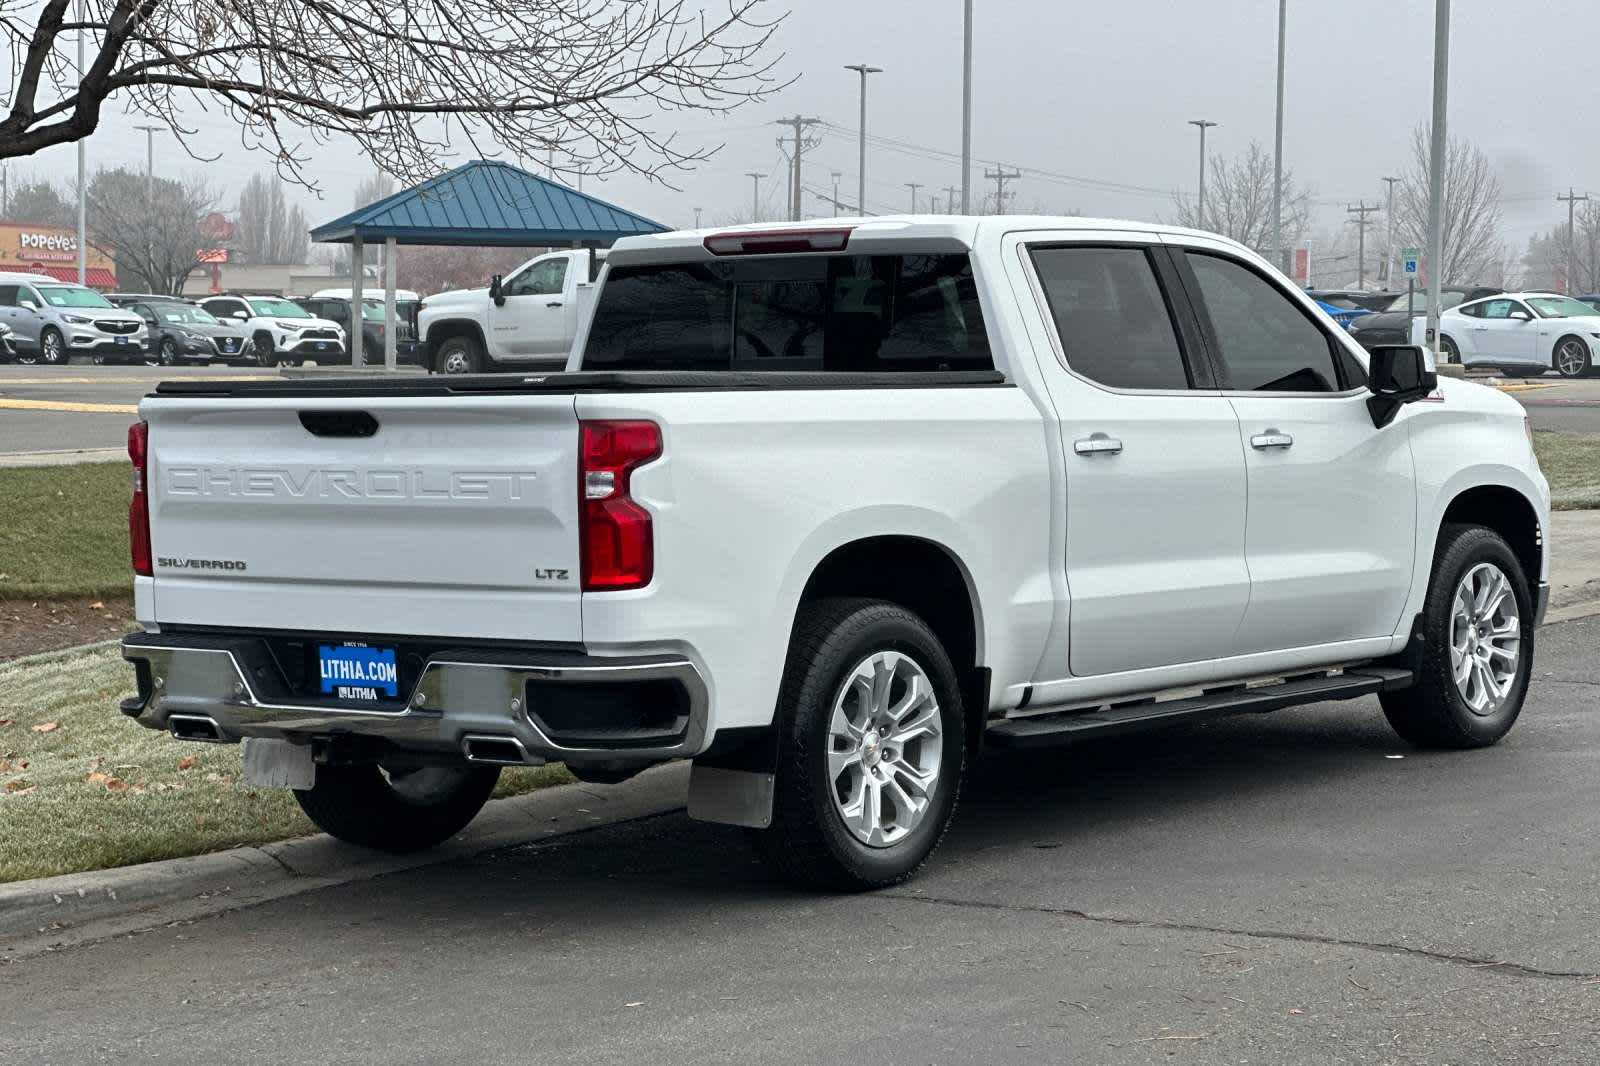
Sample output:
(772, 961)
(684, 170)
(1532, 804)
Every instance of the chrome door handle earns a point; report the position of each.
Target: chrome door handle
(1097, 444)
(1271, 439)
(554, 303)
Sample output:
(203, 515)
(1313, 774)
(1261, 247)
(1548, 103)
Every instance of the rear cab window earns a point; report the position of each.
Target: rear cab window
(795, 313)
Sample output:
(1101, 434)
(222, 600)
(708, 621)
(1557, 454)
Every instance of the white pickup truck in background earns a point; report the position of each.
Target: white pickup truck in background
(526, 320)
(827, 510)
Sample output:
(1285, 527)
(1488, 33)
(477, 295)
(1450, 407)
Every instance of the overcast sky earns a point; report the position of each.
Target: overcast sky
(1096, 91)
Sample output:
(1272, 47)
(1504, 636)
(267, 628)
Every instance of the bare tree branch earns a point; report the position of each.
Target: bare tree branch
(579, 80)
(1471, 210)
(1239, 202)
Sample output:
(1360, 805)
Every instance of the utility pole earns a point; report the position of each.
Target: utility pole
(913, 186)
(836, 176)
(1277, 145)
(83, 208)
(950, 200)
(933, 205)
(1361, 225)
(697, 218)
(966, 110)
(799, 123)
(1388, 240)
(1200, 204)
(1436, 154)
(5, 192)
(1000, 176)
(861, 167)
(149, 198)
(755, 194)
(1572, 199)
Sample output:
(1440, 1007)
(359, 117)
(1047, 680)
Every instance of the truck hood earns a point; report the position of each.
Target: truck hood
(456, 297)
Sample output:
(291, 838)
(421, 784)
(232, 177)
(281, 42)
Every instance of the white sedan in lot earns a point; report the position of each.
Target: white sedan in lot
(1523, 334)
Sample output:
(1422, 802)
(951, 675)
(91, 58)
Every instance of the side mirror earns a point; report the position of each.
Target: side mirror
(1397, 375)
(240, 316)
(29, 305)
(495, 293)
(1521, 316)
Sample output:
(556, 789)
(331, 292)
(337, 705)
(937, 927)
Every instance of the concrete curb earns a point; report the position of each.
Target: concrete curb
(64, 457)
(55, 912)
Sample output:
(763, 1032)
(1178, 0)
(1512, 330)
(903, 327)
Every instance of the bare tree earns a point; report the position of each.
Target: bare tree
(156, 239)
(1239, 202)
(430, 269)
(1471, 209)
(583, 79)
(269, 230)
(42, 203)
(1547, 255)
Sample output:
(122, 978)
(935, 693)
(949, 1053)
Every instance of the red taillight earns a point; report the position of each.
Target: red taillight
(617, 543)
(139, 509)
(778, 242)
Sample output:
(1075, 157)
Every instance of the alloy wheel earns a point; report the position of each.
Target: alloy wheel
(51, 343)
(455, 362)
(1570, 358)
(1485, 638)
(885, 744)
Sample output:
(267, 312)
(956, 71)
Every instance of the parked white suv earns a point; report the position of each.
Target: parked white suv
(51, 321)
(280, 331)
(828, 509)
(527, 320)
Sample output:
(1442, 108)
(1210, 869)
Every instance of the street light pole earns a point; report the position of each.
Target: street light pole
(1200, 204)
(1388, 239)
(1436, 154)
(966, 110)
(755, 194)
(83, 209)
(913, 186)
(1277, 144)
(149, 198)
(861, 168)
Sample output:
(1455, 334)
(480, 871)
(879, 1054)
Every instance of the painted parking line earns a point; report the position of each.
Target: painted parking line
(65, 405)
(151, 380)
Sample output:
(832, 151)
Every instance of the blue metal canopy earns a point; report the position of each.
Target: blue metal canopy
(485, 202)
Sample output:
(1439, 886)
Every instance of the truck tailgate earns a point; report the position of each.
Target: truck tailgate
(411, 515)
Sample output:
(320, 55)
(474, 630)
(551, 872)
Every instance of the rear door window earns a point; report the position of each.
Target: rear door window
(8, 295)
(792, 313)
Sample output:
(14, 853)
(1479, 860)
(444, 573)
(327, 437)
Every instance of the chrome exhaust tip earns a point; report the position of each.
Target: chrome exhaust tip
(494, 750)
(195, 727)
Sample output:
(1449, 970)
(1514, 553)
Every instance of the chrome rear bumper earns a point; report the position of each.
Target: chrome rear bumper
(459, 700)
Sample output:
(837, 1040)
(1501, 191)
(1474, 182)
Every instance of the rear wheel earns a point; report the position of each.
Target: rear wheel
(397, 810)
(459, 355)
(1572, 357)
(1477, 646)
(871, 747)
(1448, 350)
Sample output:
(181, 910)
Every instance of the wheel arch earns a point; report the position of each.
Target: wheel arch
(1587, 343)
(925, 577)
(449, 328)
(1507, 512)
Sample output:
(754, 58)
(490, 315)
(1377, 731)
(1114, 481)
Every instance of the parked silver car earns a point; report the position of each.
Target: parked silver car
(51, 321)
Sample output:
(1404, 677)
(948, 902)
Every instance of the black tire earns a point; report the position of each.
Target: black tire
(169, 352)
(808, 841)
(52, 348)
(460, 355)
(1575, 366)
(1432, 713)
(266, 353)
(1448, 350)
(397, 812)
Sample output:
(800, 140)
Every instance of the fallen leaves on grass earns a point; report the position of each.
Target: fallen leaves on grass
(4, 721)
(97, 606)
(188, 762)
(18, 787)
(47, 727)
(97, 778)
(116, 784)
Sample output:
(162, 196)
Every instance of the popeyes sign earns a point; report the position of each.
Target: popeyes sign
(37, 244)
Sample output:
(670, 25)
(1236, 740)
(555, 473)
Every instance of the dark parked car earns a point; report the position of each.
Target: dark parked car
(337, 309)
(1392, 325)
(182, 332)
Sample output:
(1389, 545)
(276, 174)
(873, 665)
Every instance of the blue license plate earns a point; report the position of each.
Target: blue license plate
(323, 346)
(122, 340)
(358, 672)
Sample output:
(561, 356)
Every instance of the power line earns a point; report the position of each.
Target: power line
(799, 124)
(1360, 222)
(999, 176)
(1571, 199)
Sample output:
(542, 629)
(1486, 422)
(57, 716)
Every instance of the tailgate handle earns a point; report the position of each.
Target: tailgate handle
(339, 423)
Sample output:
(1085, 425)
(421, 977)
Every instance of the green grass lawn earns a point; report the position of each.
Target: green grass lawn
(64, 531)
(97, 790)
(1572, 463)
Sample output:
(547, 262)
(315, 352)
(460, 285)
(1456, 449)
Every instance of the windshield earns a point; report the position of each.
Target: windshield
(1449, 298)
(269, 307)
(184, 314)
(72, 296)
(1561, 307)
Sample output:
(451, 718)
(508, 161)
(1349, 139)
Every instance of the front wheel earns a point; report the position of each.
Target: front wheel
(871, 747)
(1477, 646)
(169, 352)
(459, 355)
(1448, 350)
(53, 349)
(399, 810)
(1572, 358)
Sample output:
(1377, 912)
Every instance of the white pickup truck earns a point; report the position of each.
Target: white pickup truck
(828, 510)
(525, 321)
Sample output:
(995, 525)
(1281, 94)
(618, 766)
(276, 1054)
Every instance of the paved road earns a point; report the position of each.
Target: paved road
(1266, 890)
(25, 427)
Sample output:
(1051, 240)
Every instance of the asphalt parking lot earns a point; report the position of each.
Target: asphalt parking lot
(1299, 887)
(87, 407)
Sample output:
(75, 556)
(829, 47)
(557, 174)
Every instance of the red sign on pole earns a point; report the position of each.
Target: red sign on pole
(1302, 264)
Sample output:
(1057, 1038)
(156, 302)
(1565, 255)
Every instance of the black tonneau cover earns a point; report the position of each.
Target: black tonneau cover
(579, 381)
